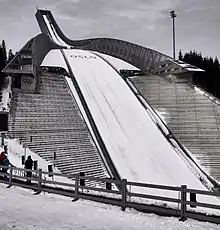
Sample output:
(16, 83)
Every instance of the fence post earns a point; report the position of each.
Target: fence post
(123, 194)
(10, 175)
(108, 185)
(39, 180)
(183, 203)
(82, 181)
(193, 199)
(76, 193)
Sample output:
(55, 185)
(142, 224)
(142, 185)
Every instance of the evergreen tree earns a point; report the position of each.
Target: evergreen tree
(4, 51)
(2, 65)
(10, 55)
(4, 60)
(216, 63)
(180, 55)
(210, 79)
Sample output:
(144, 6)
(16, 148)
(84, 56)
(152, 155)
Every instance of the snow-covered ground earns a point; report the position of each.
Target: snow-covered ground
(20, 210)
(15, 152)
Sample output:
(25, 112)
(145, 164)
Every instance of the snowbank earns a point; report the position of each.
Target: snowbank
(15, 152)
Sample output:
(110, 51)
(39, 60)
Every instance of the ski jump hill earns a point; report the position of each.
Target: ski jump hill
(72, 102)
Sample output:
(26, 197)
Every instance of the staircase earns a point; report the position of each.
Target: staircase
(192, 117)
(51, 122)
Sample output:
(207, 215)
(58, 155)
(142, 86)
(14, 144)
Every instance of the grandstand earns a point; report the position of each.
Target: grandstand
(191, 115)
(50, 122)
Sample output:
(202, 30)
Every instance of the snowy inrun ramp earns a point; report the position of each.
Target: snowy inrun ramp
(137, 147)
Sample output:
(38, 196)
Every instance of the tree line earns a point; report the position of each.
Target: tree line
(208, 80)
(5, 57)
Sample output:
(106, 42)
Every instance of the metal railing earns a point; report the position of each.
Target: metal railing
(79, 187)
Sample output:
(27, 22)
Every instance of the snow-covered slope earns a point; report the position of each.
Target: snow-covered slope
(117, 63)
(54, 58)
(15, 152)
(137, 147)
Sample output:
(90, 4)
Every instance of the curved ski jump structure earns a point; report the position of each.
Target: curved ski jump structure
(146, 59)
(143, 58)
(96, 83)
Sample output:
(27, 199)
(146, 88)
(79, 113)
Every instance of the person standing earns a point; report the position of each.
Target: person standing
(28, 165)
(6, 163)
(2, 157)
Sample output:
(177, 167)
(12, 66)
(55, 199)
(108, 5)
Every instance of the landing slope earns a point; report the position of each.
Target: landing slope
(138, 149)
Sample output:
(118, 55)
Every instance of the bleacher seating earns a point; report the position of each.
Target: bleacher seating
(193, 118)
(51, 122)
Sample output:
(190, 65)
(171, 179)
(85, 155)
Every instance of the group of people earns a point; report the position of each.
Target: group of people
(4, 161)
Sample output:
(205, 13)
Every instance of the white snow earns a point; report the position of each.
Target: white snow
(20, 210)
(138, 149)
(54, 58)
(53, 33)
(198, 90)
(15, 152)
(117, 63)
(49, 28)
(155, 116)
(195, 69)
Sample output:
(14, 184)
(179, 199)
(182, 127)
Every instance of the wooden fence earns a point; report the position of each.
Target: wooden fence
(79, 187)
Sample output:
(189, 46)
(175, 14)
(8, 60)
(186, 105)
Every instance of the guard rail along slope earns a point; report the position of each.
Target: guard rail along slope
(125, 198)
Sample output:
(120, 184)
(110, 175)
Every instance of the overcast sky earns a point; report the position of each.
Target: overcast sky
(145, 22)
